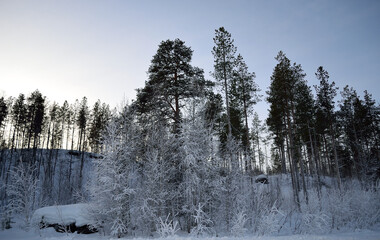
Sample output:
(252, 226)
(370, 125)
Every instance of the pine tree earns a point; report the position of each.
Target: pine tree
(257, 130)
(246, 94)
(326, 93)
(3, 111)
(82, 120)
(34, 119)
(19, 119)
(224, 62)
(213, 109)
(347, 124)
(3, 115)
(282, 99)
(172, 80)
(95, 126)
(63, 115)
(100, 117)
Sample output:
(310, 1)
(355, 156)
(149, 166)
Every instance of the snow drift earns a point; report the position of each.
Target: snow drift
(61, 217)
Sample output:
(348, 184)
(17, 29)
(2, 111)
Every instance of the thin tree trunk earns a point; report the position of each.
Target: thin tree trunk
(315, 162)
(226, 95)
(335, 158)
(303, 175)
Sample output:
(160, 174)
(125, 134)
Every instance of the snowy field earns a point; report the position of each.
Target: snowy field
(50, 234)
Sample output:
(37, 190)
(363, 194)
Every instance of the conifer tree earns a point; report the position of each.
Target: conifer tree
(35, 117)
(172, 80)
(3, 115)
(326, 93)
(82, 124)
(3, 110)
(245, 91)
(63, 115)
(19, 119)
(282, 99)
(100, 117)
(224, 62)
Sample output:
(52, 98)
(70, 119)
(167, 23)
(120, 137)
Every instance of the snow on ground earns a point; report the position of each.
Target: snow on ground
(50, 234)
(64, 214)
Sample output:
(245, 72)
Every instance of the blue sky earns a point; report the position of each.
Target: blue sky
(102, 49)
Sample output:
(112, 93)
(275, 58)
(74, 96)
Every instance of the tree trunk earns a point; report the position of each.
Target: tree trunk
(226, 95)
(315, 162)
(332, 133)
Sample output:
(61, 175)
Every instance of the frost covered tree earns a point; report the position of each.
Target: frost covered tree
(22, 189)
(153, 191)
(113, 182)
(196, 154)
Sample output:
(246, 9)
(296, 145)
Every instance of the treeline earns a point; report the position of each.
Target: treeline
(31, 122)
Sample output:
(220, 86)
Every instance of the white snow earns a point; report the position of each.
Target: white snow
(63, 214)
(50, 234)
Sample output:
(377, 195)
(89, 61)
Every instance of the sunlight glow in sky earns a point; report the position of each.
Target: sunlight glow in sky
(102, 49)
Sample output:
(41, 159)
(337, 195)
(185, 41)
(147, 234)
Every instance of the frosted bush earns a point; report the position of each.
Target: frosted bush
(270, 222)
(166, 228)
(238, 223)
(118, 228)
(353, 207)
(202, 222)
(364, 208)
(313, 219)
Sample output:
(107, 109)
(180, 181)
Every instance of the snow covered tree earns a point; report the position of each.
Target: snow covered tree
(154, 191)
(22, 189)
(195, 164)
(113, 182)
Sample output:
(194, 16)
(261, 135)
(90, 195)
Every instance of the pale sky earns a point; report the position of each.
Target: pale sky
(102, 49)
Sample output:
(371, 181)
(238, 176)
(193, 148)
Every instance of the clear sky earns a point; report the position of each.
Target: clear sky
(102, 49)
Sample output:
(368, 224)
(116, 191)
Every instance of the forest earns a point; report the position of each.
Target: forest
(186, 153)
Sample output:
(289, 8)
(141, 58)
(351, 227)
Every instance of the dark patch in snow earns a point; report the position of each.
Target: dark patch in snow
(262, 179)
(74, 153)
